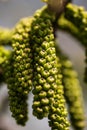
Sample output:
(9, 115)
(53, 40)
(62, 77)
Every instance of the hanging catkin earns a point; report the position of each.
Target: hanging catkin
(68, 26)
(44, 62)
(78, 16)
(4, 54)
(20, 71)
(48, 91)
(58, 113)
(5, 36)
(73, 94)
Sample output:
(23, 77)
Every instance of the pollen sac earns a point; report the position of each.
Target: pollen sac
(73, 94)
(44, 62)
(58, 113)
(20, 73)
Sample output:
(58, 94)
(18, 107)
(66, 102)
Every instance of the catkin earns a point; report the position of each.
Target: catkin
(68, 26)
(5, 36)
(44, 62)
(17, 102)
(20, 71)
(48, 90)
(78, 16)
(73, 94)
(4, 54)
(58, 113)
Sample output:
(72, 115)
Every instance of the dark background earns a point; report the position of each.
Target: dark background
(10, 13)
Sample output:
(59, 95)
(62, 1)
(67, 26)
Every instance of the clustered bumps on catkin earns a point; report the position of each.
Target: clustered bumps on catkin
(4, 54)
(5, 36)
(20, 71)
(77, 21)
(78, 16)
(44, 62)
(48, 89)
(22, 52)
(58, 113)
(73, 94)
(68, 26)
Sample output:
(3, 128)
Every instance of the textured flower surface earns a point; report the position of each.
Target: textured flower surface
(19, 71)
(48, 89)
(73, 94)
(78, 16)
(44, 62)
(4, 54)
(58, 113)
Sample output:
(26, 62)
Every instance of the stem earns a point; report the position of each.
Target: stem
(57, 7)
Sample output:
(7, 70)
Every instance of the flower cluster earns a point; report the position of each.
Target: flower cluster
(19, 71)
(73, 94)
(57, 113)
(4, 54)
(44, 62)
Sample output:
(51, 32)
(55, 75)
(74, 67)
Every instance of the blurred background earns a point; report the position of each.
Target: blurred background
(11, 11)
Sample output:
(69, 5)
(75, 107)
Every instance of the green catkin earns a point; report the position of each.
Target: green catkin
(73, 94)
(4, 54)
(68, 26)
(78, 16)
(44, 62)
(5, 36)
(20, 73)
(23, 56)
(17, 101)
(58, 113)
